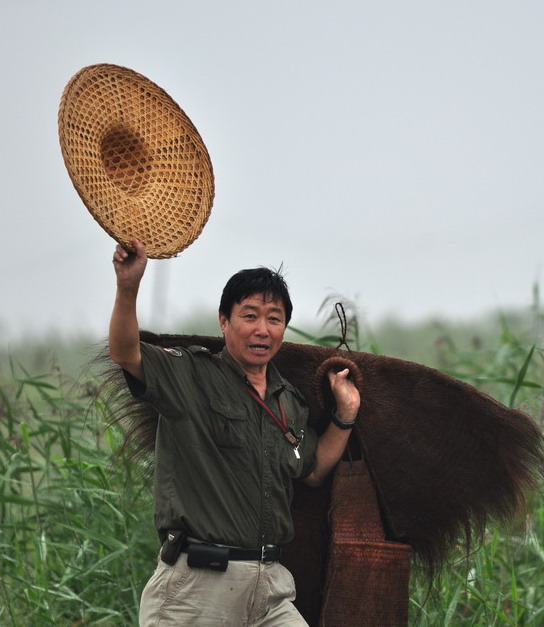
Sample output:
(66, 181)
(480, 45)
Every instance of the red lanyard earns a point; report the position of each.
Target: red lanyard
(282, 424)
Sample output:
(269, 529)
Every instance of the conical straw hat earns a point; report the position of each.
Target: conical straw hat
(135, 158)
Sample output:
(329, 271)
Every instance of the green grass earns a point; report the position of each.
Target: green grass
(76, 538)
(75, 542)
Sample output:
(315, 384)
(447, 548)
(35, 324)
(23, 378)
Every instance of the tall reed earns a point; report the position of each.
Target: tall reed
(75, 542)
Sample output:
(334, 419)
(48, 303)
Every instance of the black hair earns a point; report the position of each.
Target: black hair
(255, 281)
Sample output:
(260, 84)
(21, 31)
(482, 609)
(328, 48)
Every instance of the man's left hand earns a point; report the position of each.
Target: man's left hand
(346, 395)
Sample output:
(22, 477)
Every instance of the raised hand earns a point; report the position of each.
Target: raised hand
(130, 266)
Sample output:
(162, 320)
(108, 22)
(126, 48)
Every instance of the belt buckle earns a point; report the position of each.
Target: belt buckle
(263, 553)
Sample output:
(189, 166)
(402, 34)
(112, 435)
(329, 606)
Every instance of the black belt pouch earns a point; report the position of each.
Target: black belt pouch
(172, 546)
(202, 555)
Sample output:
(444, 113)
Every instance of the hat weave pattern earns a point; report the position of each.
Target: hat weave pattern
(135, 158)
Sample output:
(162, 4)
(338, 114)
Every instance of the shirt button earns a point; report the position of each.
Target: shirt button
(267, 493)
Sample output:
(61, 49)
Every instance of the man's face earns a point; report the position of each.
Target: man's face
(254, 331)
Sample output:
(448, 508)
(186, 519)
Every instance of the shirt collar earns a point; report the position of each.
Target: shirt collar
(274, 380)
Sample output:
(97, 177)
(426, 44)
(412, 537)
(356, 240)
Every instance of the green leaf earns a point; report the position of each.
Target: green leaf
(521, 375)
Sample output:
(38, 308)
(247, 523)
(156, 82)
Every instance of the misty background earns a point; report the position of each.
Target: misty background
(391, 152)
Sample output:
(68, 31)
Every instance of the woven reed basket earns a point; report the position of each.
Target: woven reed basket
(135, 158)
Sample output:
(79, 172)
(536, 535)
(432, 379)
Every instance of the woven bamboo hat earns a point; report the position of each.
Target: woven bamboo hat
(135, 158)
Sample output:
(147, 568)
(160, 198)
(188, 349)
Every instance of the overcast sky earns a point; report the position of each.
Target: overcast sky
(389, 151)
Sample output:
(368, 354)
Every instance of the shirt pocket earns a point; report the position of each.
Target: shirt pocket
(228, 425)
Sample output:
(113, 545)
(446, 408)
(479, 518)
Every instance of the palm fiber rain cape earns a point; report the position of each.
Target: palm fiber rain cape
(430, 464)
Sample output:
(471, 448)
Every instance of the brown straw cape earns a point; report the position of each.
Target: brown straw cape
(135, 158)
(445, 464)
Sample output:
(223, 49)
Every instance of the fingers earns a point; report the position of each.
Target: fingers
(138, 247)
(129, 266)
(340, 384)
(343, 374)
(345, 394)
(120, 254)
(338, 376)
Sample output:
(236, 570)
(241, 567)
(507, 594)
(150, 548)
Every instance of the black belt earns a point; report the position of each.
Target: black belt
(266, 553)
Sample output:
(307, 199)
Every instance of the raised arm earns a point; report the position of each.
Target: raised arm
(331, 445)
(124, 338)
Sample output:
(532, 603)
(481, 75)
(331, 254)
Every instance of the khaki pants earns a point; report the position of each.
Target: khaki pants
(247, 594)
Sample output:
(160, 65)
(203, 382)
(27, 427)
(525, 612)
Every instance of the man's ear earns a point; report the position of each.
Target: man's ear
(222, 321)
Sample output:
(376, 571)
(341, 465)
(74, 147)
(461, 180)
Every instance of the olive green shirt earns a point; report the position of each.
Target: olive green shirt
(223, 468)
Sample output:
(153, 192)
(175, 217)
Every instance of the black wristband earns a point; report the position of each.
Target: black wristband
(340, 424)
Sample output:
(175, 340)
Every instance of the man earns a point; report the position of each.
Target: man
(232, 435)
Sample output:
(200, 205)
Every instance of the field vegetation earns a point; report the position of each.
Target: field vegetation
(76, 536)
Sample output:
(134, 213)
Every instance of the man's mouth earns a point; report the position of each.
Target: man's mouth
(261, 348)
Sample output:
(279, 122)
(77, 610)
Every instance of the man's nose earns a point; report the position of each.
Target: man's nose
(261, 327)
